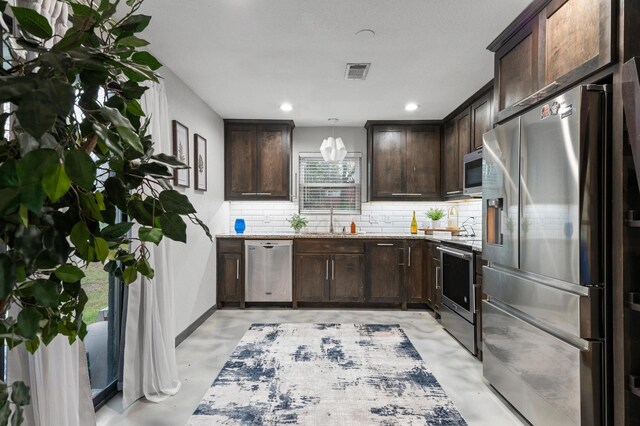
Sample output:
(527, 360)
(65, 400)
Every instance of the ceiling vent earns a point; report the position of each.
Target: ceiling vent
(356, 71)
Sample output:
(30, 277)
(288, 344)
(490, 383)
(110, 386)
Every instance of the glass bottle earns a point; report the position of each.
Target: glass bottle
(353, 226)
(414, 224)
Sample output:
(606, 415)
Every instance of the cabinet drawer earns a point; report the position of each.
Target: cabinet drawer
(328, 246)
(230, 246)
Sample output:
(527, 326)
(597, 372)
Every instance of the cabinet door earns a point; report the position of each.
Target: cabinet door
(415, 272)
(388, 160)
(240, 155)
(481, 119)
(312, 278)
(463, 134)
(423, 162)
(577, 38)
(347, 278)
(273, 161)
(384, 272)
(451, 155)
(230, 283)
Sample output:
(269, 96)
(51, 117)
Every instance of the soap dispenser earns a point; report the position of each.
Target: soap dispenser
(452, 223)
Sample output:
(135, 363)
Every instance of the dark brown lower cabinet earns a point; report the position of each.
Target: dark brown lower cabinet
(327, 272)
(416, 273)
(347, 278)
(433, 277)
(312, 277)
(384, 272)
(230, 288)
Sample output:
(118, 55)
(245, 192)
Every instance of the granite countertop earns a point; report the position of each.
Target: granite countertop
(474, 243)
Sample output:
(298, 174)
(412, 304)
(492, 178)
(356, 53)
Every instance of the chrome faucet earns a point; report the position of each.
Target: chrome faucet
(331, 220)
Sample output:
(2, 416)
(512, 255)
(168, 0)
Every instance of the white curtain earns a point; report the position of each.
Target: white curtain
(59, 380)
(57, 374)
(150, 368)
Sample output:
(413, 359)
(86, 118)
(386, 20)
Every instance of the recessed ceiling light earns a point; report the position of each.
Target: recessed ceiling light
(286, 107)
(411, 106)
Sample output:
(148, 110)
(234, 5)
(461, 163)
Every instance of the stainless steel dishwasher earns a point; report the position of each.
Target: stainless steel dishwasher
(269, 270)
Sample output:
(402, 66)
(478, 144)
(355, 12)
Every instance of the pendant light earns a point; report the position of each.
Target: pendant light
(333, 148)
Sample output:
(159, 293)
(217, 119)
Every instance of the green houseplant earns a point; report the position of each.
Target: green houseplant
(298, 222)
(76, 151)
(435, 214)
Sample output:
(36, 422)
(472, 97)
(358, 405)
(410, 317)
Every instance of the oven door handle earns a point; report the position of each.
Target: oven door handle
(460, 254)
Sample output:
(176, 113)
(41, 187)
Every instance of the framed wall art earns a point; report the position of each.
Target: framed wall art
(200, 162)
(181, 151)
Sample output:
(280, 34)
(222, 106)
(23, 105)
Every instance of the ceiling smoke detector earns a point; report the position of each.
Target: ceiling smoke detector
(356, 71)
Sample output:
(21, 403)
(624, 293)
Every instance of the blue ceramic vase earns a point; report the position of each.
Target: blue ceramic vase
(239, 226)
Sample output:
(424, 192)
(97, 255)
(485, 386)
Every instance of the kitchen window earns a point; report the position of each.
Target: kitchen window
(326, 184)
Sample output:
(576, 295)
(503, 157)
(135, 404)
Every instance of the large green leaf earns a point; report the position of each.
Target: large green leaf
(69, 273)
(80, 237)
(17, 418)
(146, 59)
(153, 235)
(5, 412)
(9, 200)
(101, 248)
(113, 232)
(36, 113)
(28, 323)
(133, 107)
(174, 227)
(7, 275)
(169, 160)
(20, 394)
(173, 201)
(46, 293)
(80, 168)
(32, 22)
(135, 23)
(142, 212)
(132, 41)
(60, 93)
(116, 192)
(12, 88)
(154, 169)
(130, 138)
(132, 90)
(129, 274)
(145, 268)
(55, 182)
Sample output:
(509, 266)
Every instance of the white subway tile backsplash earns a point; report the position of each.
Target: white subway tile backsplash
(388, 217)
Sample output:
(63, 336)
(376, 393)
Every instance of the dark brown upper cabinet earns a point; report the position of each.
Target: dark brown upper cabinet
(457, 143)
(550, 46)
(481, 119)
(257, 159)
(404, 160)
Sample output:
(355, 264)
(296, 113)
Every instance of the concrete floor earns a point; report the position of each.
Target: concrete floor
(202, 355)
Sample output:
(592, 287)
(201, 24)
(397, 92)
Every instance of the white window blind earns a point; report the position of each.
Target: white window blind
(326, 184)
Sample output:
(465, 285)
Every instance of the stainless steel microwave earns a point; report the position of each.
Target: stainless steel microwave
(473, 174)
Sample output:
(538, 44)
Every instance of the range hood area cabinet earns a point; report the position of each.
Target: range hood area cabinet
(551, 45)
(404, 160)
(257, 159)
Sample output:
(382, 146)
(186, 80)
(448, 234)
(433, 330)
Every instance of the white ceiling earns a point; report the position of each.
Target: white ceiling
(246, 57)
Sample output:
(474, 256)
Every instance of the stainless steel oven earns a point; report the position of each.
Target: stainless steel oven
(458, 295)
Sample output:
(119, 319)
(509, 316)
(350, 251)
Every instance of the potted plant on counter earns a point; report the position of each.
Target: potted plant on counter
(298, 222)
(435, 215)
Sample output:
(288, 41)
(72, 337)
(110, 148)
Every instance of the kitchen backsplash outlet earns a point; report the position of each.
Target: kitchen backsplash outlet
(376, 217)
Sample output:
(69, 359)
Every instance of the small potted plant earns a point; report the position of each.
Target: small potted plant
(298, 222)
(435, 215)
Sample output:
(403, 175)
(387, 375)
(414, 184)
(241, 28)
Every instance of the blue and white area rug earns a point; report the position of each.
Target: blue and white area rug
(325, 374)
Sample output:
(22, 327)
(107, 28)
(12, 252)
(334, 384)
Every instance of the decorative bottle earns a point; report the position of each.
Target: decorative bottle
(414, 224)
(353, 226)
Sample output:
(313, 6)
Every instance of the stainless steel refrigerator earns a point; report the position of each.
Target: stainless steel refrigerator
(545, 237)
